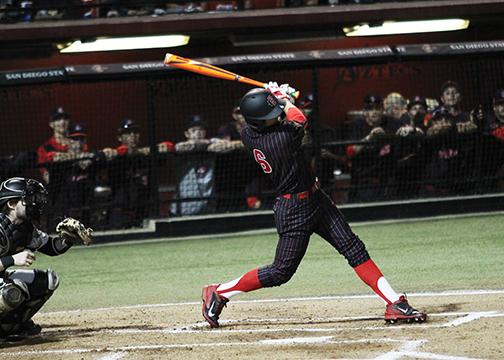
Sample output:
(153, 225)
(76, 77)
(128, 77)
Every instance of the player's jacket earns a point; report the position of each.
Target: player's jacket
(494, 127)
(15, 238)
(277, 149)
(47, 150)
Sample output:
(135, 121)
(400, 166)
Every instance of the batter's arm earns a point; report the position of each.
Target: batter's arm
(293, 114)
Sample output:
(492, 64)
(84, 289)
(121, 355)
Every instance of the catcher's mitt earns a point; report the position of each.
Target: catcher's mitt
(73, 230)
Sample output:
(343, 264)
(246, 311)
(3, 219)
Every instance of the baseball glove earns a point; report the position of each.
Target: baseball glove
(74, 231)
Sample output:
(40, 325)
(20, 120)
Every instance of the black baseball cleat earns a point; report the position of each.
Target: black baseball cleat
(30, 328)
(402, 311)
(213, 304)
(22, 331)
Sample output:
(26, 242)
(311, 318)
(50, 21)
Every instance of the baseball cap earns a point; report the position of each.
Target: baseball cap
(128, 126)
(449, 84)
(196, 120)
(499, 96)
(59, 113)
(417, 100)
(372, 102)
(76, 130)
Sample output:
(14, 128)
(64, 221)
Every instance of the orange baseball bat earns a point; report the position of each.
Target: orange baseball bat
(207, 69)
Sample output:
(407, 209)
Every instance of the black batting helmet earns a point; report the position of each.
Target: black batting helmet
(260, 105)
(30, 191)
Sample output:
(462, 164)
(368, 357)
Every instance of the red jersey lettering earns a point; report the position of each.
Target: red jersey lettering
(261, 160)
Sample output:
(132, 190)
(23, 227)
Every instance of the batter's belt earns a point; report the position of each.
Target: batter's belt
(303, 194)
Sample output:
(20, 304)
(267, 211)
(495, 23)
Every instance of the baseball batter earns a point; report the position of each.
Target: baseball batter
(273, 134)
(24, 291)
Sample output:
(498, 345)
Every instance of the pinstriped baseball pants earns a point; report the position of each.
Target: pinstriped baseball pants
(296, 220)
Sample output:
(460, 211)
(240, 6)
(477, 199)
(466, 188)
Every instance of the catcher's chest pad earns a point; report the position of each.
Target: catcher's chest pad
(14, 237)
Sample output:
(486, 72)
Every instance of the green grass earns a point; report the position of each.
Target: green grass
(463, 253)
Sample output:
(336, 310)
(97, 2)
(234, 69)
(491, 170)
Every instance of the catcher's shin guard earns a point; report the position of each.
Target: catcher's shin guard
(402, 311)
(12, 295)
(212, 305)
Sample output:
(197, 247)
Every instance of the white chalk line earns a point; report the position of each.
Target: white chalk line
(473, 316)
(275, 300)
(203, 324)
(114, 356)
(279, 342)
(202, 328)
(426, 355)
(410, 345)
(409, 349)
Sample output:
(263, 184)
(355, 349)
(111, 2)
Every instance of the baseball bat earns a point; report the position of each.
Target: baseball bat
(207, 70)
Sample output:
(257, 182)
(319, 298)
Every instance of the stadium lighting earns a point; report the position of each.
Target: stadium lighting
(125, 43)
(407, 27)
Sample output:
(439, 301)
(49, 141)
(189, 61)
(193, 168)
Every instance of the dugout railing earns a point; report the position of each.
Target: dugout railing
(123, 190)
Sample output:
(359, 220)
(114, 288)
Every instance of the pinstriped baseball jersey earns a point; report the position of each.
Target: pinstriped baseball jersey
(277, 149)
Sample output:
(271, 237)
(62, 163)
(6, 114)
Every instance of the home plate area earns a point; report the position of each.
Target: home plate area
(461, 325)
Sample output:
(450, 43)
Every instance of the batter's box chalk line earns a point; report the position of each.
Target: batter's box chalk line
(203, 328)
(407, 348)
(282, 325)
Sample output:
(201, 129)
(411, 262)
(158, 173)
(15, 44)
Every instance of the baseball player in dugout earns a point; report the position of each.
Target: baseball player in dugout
(129, 174)
(56, 148)
(24, 291)
(54, 154)
(274, 131)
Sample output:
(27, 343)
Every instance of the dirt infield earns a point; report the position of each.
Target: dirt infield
(461, 326)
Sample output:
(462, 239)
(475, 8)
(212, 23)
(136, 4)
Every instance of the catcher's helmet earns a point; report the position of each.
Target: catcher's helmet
(31, 192)
(260, 105)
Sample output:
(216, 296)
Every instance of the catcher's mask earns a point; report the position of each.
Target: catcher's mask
(259, 105)
(31, 192)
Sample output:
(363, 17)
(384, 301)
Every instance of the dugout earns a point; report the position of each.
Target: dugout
(161, 100)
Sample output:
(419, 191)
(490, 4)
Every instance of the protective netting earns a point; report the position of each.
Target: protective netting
(127, 149)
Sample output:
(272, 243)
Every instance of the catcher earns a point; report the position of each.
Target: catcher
(24, 291)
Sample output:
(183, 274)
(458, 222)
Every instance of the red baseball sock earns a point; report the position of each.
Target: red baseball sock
(373, 277)
(245, 283)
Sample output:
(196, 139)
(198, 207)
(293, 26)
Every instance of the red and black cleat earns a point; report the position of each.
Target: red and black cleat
(213, 304)
(402, 311)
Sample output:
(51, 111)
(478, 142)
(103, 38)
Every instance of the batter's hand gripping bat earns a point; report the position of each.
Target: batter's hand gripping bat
(212, 71)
